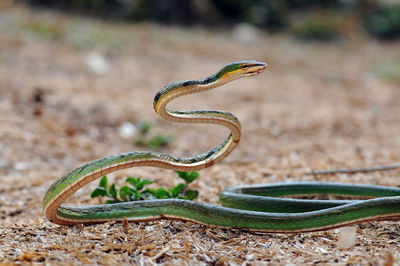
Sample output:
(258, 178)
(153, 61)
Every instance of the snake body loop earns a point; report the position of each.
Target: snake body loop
(251, 207)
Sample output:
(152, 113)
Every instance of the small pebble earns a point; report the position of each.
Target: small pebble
(97, 63)
(347, 237)
(20, 166)
(127, 130)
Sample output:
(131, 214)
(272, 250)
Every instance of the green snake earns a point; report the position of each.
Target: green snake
(249, 207)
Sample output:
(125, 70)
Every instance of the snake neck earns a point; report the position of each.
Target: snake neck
(226, 119)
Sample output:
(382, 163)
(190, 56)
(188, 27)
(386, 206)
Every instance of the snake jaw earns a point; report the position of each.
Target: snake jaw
(255, 69)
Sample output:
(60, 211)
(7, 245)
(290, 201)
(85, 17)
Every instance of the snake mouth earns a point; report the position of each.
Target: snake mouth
(256, 69)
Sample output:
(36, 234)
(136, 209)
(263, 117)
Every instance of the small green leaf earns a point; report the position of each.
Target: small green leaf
(189, 177)
(132, 181)
(139, 186)
(103, 182)
(192, 194)
(159, 140)
(177, 190)
(98, 192)
(112, 191)
(181, 174)
(136, 196)
(111, 201)
(142, 183)
(140, 142)
(144, 127)
(193, 175)
(125, 192)
(161, 193)
(150, 191)
(138, 183)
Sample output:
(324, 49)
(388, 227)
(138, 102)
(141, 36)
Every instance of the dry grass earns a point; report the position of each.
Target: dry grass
(317, 107)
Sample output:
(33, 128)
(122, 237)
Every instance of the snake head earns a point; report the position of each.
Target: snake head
(252, 68)
(241, 69)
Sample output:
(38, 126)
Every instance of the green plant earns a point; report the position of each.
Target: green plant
(320, 26)
(144, 127)
(44, 28)
(159, 140)
(135, 189)
(156, 141)
(384, 21)
(272, 15)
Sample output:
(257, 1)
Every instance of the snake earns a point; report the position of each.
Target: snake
(274, 207)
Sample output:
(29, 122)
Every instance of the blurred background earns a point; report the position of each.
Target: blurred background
(305, 19)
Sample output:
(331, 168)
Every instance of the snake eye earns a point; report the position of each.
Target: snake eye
(245, 67)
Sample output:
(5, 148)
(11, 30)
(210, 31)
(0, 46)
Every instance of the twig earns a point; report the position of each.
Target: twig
(161, 253)
(125, 225)
(355, 170)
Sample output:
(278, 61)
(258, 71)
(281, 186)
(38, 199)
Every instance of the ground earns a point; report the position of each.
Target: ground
(68, 84)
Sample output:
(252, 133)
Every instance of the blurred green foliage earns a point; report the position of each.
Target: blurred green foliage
(380, 19)
(388, 70)
(268, 14)
(43, 28)
(155, 141)
(321, 26)
(383, 21)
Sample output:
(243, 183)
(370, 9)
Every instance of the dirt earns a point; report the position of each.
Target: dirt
(68, 83)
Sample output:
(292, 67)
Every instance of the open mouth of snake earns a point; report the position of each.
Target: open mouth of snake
(257, 71)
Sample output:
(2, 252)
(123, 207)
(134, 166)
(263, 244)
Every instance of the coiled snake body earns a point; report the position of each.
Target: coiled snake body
(250, 207)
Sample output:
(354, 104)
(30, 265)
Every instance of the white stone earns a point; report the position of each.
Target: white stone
(97, 63)
(127, 130)
(347, 237)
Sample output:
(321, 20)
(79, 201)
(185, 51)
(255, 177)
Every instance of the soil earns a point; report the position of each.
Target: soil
(69, 83)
